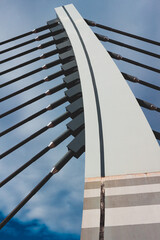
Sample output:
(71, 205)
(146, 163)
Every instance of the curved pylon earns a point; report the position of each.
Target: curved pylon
(120, 145)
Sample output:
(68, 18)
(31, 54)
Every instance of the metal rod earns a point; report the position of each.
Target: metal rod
(48, 92)
(149, 85)
(40, 29)
(20, 65)
(55, 169)
(16, 38)
(41, 46)
(46, 66)
(19, 55)
(15, 173)
(21, 77)
(45, 27)
(61, 163)
(53, 144)
(43, 56)
(106, 39)
(52, 124)
(41, 37)
(137, 80)
(42, 130)
(157, 134)
(23, 105)
(49, 107)
(60, 139)
(22, 90)
(48, 78)
(93, 24)
(148, 105)
(26, 199)
(119, 57)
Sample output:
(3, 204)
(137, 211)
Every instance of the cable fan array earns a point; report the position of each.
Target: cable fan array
(128, 77)
(72, 95)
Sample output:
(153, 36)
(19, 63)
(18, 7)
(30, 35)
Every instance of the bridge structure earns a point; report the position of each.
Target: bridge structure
(122, 157)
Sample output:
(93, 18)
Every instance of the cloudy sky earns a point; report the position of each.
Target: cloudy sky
(55, 212)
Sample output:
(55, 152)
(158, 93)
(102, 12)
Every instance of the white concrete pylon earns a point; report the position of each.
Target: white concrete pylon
(118, 138)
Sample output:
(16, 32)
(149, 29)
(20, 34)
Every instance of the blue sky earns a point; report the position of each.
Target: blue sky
(55, 212)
